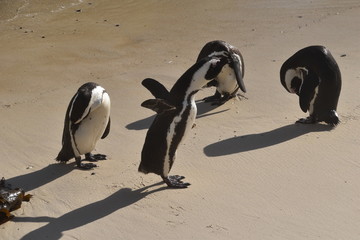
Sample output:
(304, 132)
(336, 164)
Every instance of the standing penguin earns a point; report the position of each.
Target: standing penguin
(313, 74)
(230, 79)
(175, 117)
(87, 120)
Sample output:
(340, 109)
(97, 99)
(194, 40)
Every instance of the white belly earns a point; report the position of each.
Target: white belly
(92, 127)
(171, 132)
(226, 80)
(191, 119)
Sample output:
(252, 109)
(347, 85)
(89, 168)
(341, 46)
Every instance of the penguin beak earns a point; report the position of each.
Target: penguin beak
(236, 66)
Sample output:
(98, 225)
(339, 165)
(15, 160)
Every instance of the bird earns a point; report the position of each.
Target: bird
(87, 120)
(313, 74)
(175, 117)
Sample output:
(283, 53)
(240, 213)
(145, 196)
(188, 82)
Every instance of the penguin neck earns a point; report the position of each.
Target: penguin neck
(183, 97)
(187, 86)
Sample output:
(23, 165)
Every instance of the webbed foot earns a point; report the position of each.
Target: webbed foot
(84, 166)
(94, 157)
(175, 181)
(308, 120)
(218, 101)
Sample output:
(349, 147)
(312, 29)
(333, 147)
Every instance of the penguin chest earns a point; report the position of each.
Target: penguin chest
(226, 81)
(92, 127)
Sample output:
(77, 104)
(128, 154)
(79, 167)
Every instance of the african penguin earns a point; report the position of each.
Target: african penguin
(230, 79)
(87, 120)
(175, 117)
(227, 82)
(313, 74)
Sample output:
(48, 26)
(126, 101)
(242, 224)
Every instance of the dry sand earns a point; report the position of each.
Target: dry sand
(254, 173)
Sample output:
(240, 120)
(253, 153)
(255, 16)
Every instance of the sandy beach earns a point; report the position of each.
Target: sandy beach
(254, 173)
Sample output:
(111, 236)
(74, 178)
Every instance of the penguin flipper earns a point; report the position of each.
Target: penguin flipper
(304, 102)
(311, 81)
(158, 105)
(238, 74)
(156, 88)
(107, 130)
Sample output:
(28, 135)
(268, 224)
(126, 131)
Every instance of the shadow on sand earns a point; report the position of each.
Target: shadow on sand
(202, 111)
(33, 180)
(87, 214)
(262, 140)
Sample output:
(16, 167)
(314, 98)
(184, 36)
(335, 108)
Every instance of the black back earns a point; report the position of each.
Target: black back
(323, 69)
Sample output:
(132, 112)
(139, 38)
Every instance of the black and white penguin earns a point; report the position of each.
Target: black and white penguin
(87, 120)
(175, 117)
(313, 74)
(230, 79)
(227, 83)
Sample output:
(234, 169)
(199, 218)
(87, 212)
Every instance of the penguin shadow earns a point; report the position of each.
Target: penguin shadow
(141, 124)
(262, 140)
(87, 214)
(203, 109)
(33, 180)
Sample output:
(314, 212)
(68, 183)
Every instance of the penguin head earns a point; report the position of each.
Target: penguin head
(293, 79)
(196, 77)
(219, 48)
(214, 66)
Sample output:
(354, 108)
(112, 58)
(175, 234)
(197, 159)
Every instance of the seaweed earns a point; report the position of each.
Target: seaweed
(10, 200)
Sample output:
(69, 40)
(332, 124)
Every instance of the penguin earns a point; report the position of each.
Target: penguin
(227, 83)
(175, 117)
(231, 76)
(313, 74)
(87, 120)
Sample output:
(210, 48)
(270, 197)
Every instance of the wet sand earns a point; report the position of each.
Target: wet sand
(254, 173)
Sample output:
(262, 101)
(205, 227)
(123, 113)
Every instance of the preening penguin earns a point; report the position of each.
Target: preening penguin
(87, 120)
(175, 117)
(230, 79)
(313, 74)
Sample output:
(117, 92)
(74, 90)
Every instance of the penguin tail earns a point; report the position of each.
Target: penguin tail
(333, 118)
(142, 169)
(64, 156)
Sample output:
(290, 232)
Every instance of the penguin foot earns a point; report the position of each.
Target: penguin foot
(308, 120)
(84, 166)
(94, 157)
(218, 101)
(175, 181)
